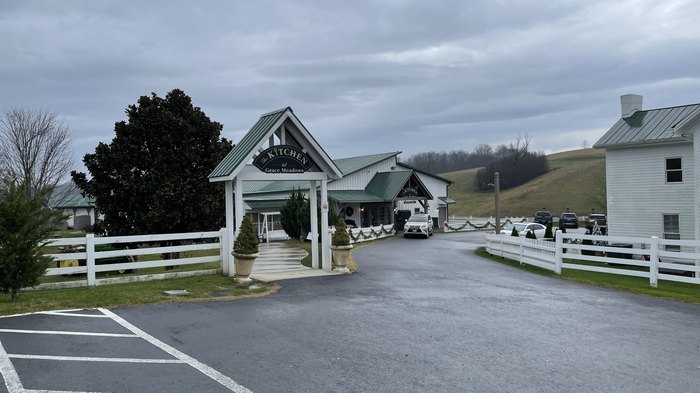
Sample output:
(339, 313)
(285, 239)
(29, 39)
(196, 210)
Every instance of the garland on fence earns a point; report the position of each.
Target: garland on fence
(372, 232)
(478, 227)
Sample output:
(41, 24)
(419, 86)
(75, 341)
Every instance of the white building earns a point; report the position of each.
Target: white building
(651, 171)
(279, 155)
(372, 191)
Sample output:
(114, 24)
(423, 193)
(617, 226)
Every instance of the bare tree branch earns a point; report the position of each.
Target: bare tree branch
(35, 147)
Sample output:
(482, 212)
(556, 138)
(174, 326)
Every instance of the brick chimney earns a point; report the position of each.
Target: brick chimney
(629, 104)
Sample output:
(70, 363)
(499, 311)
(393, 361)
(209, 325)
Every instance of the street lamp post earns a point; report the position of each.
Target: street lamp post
(497, 186)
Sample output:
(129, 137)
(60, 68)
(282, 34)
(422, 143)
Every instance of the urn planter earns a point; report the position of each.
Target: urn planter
(244, 266)
(341, 256)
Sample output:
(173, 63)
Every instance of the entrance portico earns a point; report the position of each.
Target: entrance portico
(277, 148)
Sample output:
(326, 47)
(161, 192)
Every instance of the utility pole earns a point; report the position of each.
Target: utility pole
(497, 187)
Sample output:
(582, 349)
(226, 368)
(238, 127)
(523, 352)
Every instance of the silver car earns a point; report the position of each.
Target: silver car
(418, 225)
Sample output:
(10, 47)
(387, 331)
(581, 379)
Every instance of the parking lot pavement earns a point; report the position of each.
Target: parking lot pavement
(96, 350)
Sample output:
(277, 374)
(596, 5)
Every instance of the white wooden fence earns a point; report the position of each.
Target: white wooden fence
(466, 224)
(84, 250)
(630, 256)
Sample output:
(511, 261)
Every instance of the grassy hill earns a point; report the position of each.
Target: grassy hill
(574, 177)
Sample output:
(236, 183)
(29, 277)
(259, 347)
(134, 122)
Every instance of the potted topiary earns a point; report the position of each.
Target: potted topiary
(245, 250)
(341, 247)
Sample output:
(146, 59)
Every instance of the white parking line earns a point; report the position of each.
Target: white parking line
(65, 314)
(93, 359)
(34, 313)
(14, 384)
(206, 370)
(52, 391)
(9, 374)
(65, 333)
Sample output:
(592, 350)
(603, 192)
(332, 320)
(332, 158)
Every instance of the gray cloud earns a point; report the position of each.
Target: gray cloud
(364, 76)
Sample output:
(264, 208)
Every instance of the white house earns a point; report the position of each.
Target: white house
(652, 159)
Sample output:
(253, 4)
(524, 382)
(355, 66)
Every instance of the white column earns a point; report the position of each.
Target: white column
(325, 239)
(238, 203)
(228, 186)
(696, 188)
(239, 213)
(313, 205)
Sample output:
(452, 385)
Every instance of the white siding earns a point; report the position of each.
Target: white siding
(638, 195)
(358, 180)
(437, 188)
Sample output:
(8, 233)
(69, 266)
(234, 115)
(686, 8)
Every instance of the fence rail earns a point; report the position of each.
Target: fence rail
(629, 256)
(85, 252)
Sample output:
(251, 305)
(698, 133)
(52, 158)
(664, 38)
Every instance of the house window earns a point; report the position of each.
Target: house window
(672, 230)
(674, 170)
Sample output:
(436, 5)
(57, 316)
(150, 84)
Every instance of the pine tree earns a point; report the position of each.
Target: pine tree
(25, 223)
(548, 232)
(340, 236)
(246, 242)
(296, 216)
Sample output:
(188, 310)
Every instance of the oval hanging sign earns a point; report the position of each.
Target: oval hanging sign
(283, 159)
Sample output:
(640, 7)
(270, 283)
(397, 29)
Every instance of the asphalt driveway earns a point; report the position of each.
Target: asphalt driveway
(429, 316)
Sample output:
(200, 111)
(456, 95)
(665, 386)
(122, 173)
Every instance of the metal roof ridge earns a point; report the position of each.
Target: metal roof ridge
(393, 153)
(666, 107)
(277, 111)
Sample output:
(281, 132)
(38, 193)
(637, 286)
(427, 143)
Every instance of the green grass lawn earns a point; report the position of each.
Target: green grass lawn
(566, 185)
(666, 289)
(115, 295)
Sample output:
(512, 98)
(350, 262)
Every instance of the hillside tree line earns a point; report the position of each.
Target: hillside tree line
(517, 166)
(456, 160)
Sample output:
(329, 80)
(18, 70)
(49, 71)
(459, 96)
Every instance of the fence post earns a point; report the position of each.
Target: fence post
(225, 255)
(654, 262)
(558, 248)
(90, 259)
(522, 240)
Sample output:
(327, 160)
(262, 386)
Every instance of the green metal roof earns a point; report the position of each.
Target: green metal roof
(354, 196)
(648, 126)
(447, 200)
(252, 187)
(67, 196)
(425, 173)
(388, 184)
(246, 145)
(266, 203)
(354, 164)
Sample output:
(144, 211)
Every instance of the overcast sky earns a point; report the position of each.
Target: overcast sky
(363, 76)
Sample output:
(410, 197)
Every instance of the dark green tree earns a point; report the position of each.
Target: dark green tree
(548, 232)
(246, 242)
(152, 177)
(295, 219)
(25, 223)
(514, 232)
(530, 235)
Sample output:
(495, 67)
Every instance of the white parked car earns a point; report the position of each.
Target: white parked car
(418, 225)
(524, 227)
